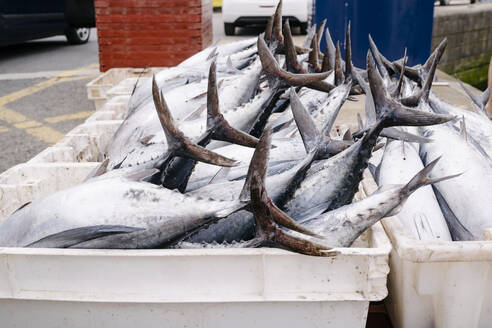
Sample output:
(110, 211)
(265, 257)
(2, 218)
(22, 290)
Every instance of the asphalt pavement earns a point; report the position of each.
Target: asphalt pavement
(40, 83)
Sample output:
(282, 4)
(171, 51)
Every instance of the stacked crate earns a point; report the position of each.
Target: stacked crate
(140, 33)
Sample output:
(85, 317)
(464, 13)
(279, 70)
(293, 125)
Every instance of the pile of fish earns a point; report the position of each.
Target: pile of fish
(235, 147)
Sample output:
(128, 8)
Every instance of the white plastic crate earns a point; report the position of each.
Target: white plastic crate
(98, 88)
(172, 288)
(205, 288)
(437, 283)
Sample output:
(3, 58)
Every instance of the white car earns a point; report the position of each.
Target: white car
(252, 12)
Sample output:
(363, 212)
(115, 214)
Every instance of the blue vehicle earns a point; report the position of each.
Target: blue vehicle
(23, 20)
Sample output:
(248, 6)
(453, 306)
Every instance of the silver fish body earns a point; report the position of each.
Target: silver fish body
(421, 215)
(158, 215)
(474, 184)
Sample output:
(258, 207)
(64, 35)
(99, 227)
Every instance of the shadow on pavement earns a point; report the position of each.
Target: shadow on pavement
(30, 48)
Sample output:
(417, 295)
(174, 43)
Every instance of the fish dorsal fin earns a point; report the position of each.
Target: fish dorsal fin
(347, 136)
(330, 48)
(178, 143)
(377, 57)
(309, 36)
(258, 164)
(307, 129)
(72, 237)
(230, 67)
(290, 51)
(339, 77)
(360, 124)
(348, 53)
(217, 126)
(99, 170)
(402, 75)
(221, 175)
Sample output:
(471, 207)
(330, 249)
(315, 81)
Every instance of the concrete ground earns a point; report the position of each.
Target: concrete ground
(42, 94)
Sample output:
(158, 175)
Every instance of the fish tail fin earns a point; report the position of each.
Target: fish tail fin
(422, 178)
(390, 112)
(179, 144)
(477, 101)
(436, 54)
(216, 123)
(269, 220)
(258, 163)
(277, 24)
(273, 69)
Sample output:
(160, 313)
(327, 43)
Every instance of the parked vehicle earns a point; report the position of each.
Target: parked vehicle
(33, 19)
(256, 12)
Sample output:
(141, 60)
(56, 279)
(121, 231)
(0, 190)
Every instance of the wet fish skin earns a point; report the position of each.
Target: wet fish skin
(158, 215)
(421, 215)
(340, 227)
(474, 182)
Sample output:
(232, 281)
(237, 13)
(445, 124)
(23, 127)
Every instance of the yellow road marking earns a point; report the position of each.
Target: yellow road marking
(35, 128)
(27, 124)
(4, 129)
(11, 116)
(46, 134)
(42, 85)
(68, 117)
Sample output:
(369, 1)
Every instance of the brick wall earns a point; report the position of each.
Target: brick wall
(469, 33)
(139, 33)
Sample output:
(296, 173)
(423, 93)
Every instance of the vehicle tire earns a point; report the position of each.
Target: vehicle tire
(229, 28)
(304, 28)
(78, 35)
(444, 2)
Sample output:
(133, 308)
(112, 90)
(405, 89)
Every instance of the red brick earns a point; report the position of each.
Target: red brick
(137, 33)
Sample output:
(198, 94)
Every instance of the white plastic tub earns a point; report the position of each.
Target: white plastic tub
(98, 88)
(436, 283)
(178, 288)
(172, 288)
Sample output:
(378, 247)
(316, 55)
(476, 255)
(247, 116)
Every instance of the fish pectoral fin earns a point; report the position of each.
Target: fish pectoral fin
(69, 238)
(141, 175)
(216, 123)
(307, 128)
(398, 134)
